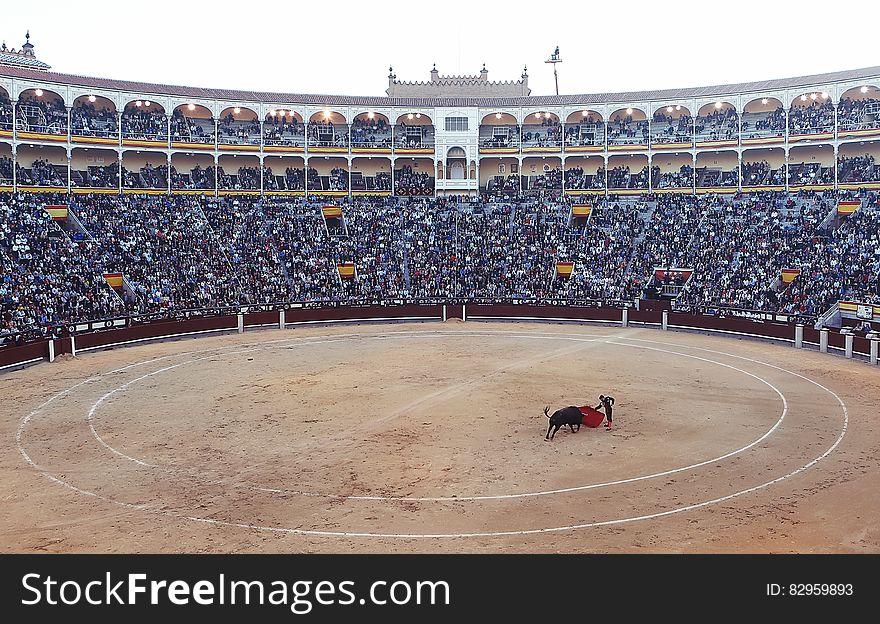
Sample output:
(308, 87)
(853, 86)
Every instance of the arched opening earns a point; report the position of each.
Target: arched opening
(238, 173)
(628, 126)
(584, 129)
(372, 131)
(284, 127)
(811, 113)
(328, 129)
(283, 173)
(327, 174)
(94, 168)
(717, 170)
(413, 177)
(41, 111)
(144, 170)
(672, 124)
(7, 165)
(371, 175)
(499, 132)
(628, 172)
(6, 118)
(192, 123)
(857, 162)
(584, 173)
(763, 167)
(193, 171)
(41, 166)
(542, 173)
(541, 129)
(144, 120)
(811, 166)
(94, 116)
(238, 125)
(672, 172)
(413, 131)
(763, 118)
(859, 109)
(717, 122)
(499, 176)
(456, 164)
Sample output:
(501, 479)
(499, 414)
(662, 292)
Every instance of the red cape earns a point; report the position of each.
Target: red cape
(592, 417)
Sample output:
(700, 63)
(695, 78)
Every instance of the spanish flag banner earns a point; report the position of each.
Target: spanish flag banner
(789, 275)
(331, 211)
(564, 269)
(581, 210)
(346, 270)
(114, 280)
(59, 213)
(846, 208)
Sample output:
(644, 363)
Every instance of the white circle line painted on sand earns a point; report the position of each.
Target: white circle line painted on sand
(466, 498)
(319, 533)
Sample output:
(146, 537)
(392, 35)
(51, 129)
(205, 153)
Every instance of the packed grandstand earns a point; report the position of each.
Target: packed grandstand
(121, 198)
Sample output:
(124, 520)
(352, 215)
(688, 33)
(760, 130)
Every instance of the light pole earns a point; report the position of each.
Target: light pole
(554, 58)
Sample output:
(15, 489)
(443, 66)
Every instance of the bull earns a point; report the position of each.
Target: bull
(570, 416)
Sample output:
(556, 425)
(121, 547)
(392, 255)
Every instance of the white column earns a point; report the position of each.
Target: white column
(823, 340)
(241, 323)
(874, 348)
(463, 312)
(624, 318)
(444, 313)
(51, 349)
(73, 346)
(281, 319)
(799, 337)
(849, 345)
(665, 323)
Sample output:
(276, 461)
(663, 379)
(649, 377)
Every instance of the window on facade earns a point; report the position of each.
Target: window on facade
(501, 168)
(456, 124)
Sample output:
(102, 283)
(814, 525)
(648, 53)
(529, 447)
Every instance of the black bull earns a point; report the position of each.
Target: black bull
(566, 416)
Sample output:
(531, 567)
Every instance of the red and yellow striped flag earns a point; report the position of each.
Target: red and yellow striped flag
(846, 208)
(114, 280)
(581, 210)
(789, 275)
(331, 211)
(58, 213)
(564, 269)
(346, 270)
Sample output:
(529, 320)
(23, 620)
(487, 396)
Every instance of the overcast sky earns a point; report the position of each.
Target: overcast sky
(346, 47)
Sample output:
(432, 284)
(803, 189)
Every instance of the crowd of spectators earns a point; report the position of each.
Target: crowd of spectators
(803, 174)
(183, 252)
(756, 125)
(414, 137)
(6, 112)
(812, 119)
(407, 181)
(277, 130)
(88, 120)
(667, 129)
(857, 169)
(42, 115)
(620, 177)
(858, 114)
(191, 130)
(627, 131)
(144, 125)
(720, 125)
(46, 278)
(546, 134)
(238, 132)
(683, 178)
(375, 133)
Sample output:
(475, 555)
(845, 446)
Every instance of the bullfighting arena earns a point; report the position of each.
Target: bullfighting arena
(429, 437)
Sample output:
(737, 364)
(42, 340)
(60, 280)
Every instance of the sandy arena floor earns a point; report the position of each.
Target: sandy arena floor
(430, 438)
